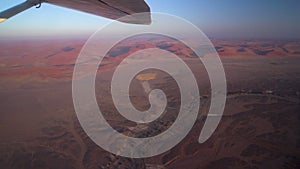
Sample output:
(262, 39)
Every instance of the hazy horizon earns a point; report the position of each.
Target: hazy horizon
(217, 19)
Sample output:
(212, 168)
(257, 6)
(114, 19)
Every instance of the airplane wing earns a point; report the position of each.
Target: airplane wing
(112, 9)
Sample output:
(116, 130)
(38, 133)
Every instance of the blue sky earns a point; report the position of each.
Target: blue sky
(278, 19)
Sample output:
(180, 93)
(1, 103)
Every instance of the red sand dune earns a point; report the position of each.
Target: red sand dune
(56, 58)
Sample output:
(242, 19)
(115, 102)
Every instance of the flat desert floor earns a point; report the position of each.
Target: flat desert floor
(259, 128)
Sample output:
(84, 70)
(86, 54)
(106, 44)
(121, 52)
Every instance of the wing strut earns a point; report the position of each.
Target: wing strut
(19, 8)
(113, 9)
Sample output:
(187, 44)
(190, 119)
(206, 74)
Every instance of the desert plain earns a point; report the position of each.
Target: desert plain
(259, 128)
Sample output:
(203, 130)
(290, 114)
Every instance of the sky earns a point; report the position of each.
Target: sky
(265, 19)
